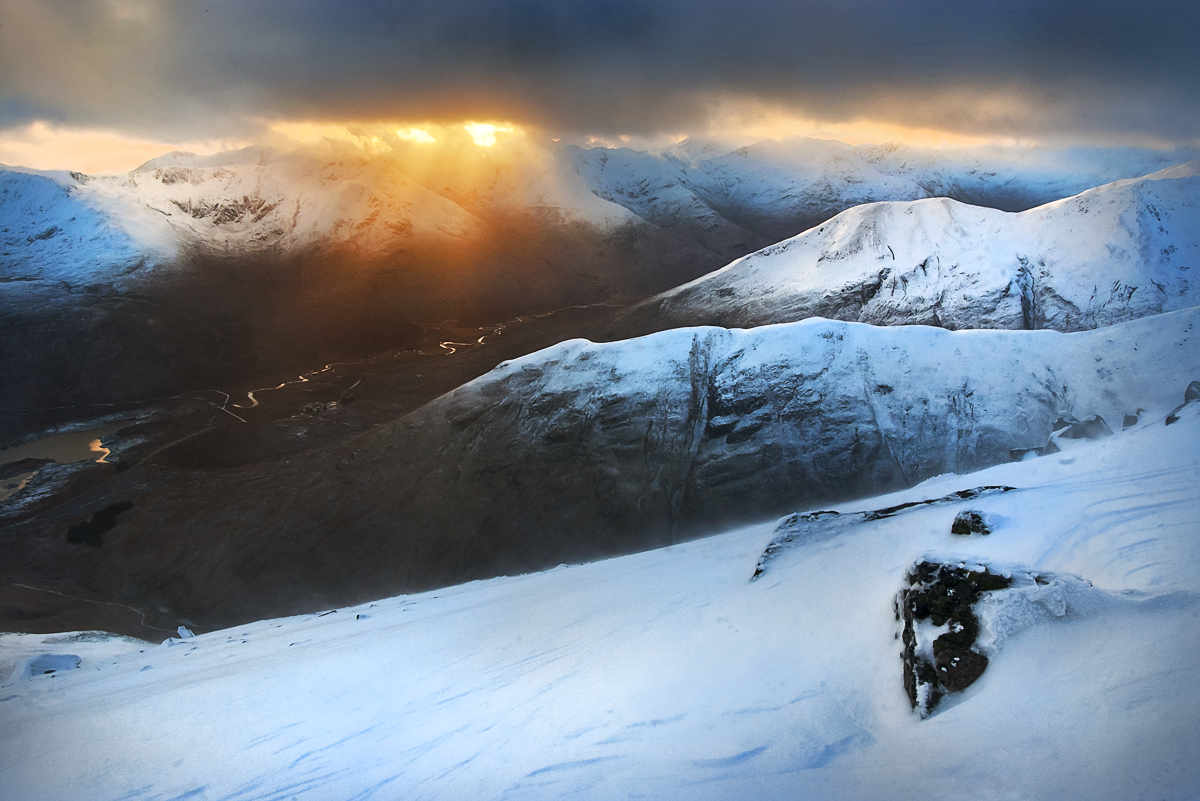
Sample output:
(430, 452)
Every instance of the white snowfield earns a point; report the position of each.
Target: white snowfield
(670, 674)
(1116, 252)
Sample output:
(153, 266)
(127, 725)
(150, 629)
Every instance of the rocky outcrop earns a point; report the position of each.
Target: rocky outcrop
(1190, 395)
(1092, 427)
(970, 521)
(936, 662)
(800, 528)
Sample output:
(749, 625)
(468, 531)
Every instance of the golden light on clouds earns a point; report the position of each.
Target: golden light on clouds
(42, 146)
(311, 132)
(748, 122)
(418, 135)
(484, 133)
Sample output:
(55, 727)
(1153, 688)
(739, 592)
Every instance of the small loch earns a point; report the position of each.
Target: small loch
(64, 447)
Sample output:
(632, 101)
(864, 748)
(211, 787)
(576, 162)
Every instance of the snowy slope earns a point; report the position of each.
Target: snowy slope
(1117, 252)
(670, 674)
(776, 189)
(49, 232)
(585, 450)
(262, 202)
(245, 202)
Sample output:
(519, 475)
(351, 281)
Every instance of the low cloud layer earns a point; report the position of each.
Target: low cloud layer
(1089, 71)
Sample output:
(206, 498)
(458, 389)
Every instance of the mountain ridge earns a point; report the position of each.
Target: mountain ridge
(1102, 256)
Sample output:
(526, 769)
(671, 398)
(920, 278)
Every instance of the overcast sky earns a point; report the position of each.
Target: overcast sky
(181, 71)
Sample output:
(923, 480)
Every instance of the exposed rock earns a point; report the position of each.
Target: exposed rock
(1130, 420)
(957, 669)
(807, 526)
(970, 521)
(944, 595)
(1093, 427)
(1190, 394)
(1064, 421)
(961, 495)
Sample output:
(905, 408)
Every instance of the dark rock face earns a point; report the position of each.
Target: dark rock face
(969, 521)
(1129, 421)
(1190, 394)
(1092, 428)
(1064, 421)
(944, 595)
(957, 669)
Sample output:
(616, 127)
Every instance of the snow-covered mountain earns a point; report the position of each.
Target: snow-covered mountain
(264, 202)
(261, 202)
(194, 269)
(670, 674)
(776, 189)
(1113, 253)
(586, 450)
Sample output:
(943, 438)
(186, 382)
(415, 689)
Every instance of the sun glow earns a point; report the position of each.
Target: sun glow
(310, 132)
(484, 133)
(418, 135)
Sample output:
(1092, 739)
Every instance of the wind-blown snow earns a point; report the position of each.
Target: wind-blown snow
(669, 674)
(1113, 253)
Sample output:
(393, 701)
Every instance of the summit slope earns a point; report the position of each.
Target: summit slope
(1113, 253)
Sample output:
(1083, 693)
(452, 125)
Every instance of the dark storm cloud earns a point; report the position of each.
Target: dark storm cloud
(1115, 69)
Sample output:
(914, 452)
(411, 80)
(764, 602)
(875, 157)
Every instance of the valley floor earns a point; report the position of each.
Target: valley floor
(670, 674)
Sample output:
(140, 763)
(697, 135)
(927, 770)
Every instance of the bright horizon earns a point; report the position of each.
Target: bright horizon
(42, 146)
